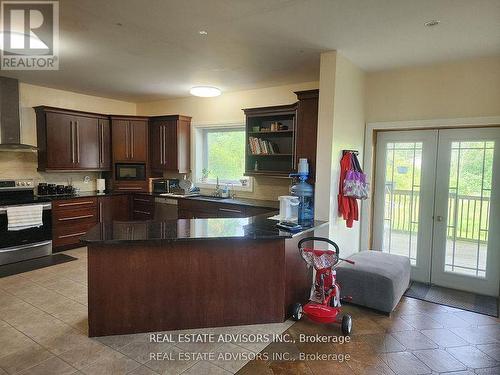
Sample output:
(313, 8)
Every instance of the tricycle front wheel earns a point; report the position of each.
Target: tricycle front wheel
(297, 312)
(346, 324)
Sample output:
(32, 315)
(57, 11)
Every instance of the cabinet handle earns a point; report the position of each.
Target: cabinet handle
(77, 142)
(127, 141)
(71, 135)
(142, 200)
(74, 203)
(161, 144)
(131, 141)
(230, 210)
(165, 144)
(72, 235)
(142, 212)
(101, 157)
(75, 217)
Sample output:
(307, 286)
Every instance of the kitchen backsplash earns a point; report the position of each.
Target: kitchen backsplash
(265, 188)
(24, 165)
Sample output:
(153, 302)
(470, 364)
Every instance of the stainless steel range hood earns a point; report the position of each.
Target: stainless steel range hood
(10, 125)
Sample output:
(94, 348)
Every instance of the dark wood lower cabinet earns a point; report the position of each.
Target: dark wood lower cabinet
(192, 209)
(71, 219)
(143, 207)
(159, 286)
(114, 207)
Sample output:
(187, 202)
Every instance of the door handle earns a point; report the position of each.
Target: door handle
(439, 218)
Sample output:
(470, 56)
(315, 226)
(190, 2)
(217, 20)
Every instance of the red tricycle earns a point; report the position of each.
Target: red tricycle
(324, 305)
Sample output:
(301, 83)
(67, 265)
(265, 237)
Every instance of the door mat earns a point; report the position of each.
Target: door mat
(34, 264)
(486, 305)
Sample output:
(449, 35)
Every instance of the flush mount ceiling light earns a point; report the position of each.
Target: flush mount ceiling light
(432, 23)
(203, 32)
(205, 91)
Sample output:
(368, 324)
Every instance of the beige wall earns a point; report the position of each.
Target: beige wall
(341, 126)
(227, 108)
(469, 88)
(20, 165)
(348, 134)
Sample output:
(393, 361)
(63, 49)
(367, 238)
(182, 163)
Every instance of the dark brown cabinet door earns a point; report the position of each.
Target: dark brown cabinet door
(121, 207)
(170, 146)
(121, 141)
(114, 208)
(86, 142)
(307, 129)
(60, 141)
(156, 144)
(138, 141)
(104, 144)
(170, 143)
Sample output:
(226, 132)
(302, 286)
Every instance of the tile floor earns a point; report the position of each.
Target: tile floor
(43, 330)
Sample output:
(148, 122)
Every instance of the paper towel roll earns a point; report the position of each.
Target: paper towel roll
(101, 185)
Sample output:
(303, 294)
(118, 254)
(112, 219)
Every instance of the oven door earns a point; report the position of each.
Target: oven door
(130, 172)
(27, 243)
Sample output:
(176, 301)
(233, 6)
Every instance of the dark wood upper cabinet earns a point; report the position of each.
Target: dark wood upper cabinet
(270, 149)
(71, 140)
(129, 139)
(170, 143)
(139, 140)
(277, 137)
(86, 142)
(104, 144)
(307, 129)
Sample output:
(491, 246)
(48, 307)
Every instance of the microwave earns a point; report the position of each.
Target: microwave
(130, 172)
(167, 185)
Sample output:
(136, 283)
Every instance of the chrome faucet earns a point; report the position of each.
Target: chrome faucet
(217, 192)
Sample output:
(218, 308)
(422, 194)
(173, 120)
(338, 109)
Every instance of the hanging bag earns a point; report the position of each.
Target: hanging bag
(355, 184)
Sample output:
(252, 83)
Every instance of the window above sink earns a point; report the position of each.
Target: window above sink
(220, 152)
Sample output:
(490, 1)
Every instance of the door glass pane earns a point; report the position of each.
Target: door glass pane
(401, 205)
(471, 168)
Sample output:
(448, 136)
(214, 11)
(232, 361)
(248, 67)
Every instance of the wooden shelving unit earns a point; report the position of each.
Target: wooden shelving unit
(282, 162)
(298, 140)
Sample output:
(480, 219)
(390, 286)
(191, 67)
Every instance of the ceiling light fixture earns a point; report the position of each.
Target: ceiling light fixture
(203, 32)
(205, 91)
(432, 23)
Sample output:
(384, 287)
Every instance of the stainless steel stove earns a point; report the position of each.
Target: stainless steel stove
(27, 243)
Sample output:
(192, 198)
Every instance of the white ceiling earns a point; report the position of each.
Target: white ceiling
(158, 52)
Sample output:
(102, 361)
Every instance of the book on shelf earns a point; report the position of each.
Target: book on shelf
(260, 146)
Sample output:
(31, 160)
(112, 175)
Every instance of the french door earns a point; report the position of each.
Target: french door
(437, 201)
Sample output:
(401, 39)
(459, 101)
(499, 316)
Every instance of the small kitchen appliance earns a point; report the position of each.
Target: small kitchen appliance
(165, 185)
(130, 172)
(288, 207)
(324, 304)
(101, 185)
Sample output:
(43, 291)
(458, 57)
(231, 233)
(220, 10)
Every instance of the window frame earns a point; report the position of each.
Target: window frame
(200, 157)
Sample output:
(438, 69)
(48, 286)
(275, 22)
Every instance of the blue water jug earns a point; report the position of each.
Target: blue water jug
(305, 193)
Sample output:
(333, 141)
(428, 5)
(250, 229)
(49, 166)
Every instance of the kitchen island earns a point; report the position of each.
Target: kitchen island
(192, 273)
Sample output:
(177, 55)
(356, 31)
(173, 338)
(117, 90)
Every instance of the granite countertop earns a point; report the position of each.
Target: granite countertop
(251, 228)
(86, 194)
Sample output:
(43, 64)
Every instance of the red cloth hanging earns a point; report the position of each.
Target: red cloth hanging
(348, 206)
